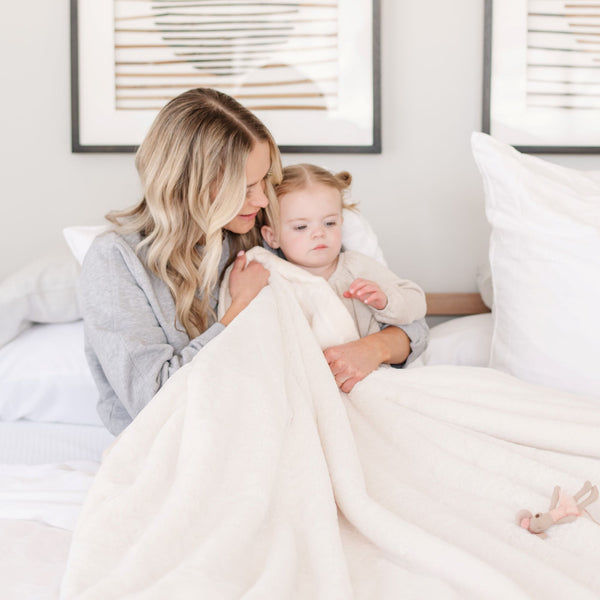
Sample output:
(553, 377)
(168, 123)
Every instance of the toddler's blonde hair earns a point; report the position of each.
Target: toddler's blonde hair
(301, 176)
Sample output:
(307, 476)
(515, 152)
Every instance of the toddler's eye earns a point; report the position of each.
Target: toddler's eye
(331, 223)
(300, 227)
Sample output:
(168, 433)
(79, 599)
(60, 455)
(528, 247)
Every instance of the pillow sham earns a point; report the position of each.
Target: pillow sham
(45, 377)
(545, 266)
(44, 291)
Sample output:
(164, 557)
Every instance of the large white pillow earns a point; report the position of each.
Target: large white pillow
(545, 264)
(43, 291)
(45, 377)
(460, 341)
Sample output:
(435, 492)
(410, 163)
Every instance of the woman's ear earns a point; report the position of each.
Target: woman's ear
(269, 236)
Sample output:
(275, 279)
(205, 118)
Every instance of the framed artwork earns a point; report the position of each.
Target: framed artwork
(542, 75)
(309, 70)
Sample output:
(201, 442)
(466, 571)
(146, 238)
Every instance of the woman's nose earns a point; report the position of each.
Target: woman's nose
(260, 199)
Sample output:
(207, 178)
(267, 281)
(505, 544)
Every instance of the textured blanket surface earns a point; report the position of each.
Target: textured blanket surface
(251, 476)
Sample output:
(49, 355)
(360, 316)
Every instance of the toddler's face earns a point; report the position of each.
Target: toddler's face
(311, 227)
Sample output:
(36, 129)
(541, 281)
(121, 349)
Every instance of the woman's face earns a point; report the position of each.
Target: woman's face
(257, 168)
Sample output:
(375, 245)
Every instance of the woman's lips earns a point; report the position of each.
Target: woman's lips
(248, 217)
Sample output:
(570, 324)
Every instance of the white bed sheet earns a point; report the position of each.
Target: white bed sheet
(33, 559)
(39, 507)
(46, 470)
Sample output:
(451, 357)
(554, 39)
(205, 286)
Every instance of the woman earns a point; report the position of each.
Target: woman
(148, 288)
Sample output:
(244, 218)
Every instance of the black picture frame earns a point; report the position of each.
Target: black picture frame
(93, 107)
(549, 113)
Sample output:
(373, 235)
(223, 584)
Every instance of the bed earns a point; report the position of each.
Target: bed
(415, 492)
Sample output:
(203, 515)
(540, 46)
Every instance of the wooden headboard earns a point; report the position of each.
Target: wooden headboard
(455, 304)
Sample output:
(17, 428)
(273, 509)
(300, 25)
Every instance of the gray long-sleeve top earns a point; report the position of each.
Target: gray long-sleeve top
(132, 342)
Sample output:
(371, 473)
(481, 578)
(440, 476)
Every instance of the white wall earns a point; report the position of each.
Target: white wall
(422, 195)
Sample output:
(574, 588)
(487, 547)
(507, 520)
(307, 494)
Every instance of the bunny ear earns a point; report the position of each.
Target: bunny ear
(523, 518)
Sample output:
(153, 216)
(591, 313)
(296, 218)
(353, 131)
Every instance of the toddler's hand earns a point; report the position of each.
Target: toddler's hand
(368, 292)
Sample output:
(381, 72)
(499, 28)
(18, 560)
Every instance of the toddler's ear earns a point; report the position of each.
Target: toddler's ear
(269, 236)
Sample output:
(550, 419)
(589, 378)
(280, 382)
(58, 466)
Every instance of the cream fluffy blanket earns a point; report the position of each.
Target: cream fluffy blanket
(251, 476)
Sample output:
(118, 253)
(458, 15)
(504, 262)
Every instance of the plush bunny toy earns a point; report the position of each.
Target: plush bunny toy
(563, 509)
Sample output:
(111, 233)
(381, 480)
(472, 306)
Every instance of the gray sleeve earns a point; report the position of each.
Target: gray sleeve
(418, 333)
(132, 343)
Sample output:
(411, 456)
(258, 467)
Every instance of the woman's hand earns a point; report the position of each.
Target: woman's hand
(245, 281)
(353, 361)
(368, 292)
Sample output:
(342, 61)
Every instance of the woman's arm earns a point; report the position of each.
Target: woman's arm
(133, 344)
(353, 361)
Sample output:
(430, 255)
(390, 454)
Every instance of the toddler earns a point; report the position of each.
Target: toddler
(308, 232)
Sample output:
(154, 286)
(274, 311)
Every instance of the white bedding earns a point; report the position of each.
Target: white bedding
(46, 470)
(462, 341)
(30, 443)
(39, 506)
(250, 474)
(33, 559)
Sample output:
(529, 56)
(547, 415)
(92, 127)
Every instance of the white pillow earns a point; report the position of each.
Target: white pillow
(45, 377)
(545, 263)
(357, 235)
(461, 341)
(79, 238)
(44, 291)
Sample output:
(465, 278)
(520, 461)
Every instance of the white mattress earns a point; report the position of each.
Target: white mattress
(28, 442)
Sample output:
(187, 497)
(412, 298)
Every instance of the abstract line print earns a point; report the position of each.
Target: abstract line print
(269, 55)
(563, 54)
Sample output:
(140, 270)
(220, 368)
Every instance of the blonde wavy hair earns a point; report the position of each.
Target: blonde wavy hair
(192, 166)
(303, 175)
